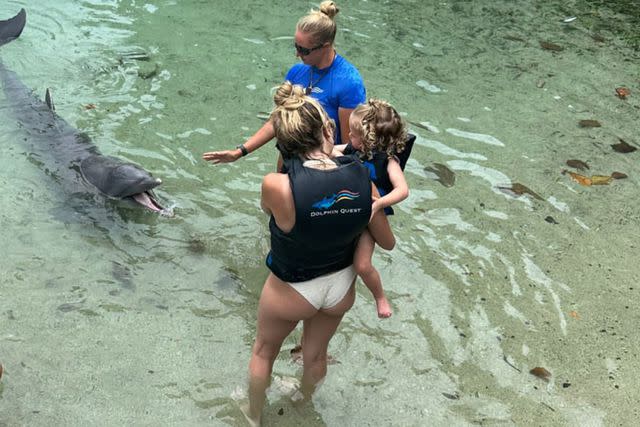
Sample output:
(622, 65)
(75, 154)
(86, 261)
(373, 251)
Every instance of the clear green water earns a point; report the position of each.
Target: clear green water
(112, 316)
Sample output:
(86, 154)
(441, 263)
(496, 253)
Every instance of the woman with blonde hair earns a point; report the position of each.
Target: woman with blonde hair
(318, 210)
(325, 75)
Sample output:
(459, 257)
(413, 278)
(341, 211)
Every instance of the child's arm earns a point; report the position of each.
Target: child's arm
(338, 150)
(400, 188)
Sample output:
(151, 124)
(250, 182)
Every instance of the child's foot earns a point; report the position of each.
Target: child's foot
(384, 308)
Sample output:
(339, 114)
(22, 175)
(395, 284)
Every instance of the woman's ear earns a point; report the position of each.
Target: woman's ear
(327, 144)
(328, 129)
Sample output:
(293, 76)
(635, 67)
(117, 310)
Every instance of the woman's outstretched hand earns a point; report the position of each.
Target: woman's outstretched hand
(226, 156)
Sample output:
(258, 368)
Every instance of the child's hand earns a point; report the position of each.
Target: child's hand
(375, 206)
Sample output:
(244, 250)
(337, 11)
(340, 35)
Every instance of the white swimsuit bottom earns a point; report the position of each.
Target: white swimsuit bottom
(327, 290)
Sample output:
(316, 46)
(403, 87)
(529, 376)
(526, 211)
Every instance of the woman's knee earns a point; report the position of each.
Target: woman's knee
(266, 350)
(315, 357)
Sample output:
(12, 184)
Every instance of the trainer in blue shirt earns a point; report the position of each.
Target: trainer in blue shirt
(327, 76)
(338, 87)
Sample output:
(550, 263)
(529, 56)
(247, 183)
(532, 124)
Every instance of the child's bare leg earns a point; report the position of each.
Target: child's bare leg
(369, 274)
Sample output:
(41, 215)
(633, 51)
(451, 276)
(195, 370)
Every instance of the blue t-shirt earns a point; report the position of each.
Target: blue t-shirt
(337, 86)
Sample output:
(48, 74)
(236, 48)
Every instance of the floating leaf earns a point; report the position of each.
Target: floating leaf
(618, 175)
(592, 180)
(580, 179)
(551, 46)
(601, 179)
(622, 92)
(574, 314)
(589, 123)
(520, 189)
(623, 147)
(445, 175)
(578, 164)
(90, 107)
(541, 373)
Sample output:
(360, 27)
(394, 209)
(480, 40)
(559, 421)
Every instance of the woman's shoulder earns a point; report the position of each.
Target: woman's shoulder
(295, 71)
(274, 181)
(346, 67)
(349, 83)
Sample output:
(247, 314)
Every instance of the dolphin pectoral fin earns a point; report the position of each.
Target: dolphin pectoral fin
(48, 98)
(11, 29)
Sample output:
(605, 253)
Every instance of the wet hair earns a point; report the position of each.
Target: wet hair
(320, 24)
(299, 121)
(381, 128)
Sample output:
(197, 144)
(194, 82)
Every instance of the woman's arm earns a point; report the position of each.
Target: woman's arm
(343, 117)
(379, 227)
(277, 200)
(400, 188)
(260, 138)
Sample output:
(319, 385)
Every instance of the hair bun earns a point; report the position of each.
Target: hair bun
(289, 96)
(329, 8)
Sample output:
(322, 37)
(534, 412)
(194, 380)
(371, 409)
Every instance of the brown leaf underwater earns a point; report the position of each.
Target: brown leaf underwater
(577, 164)
(601, 179)
(446, 176)
(551, 46)
(580, 179)
(541, 373)
(623, 147)
(618, 175)
(594, 179)
(589, 123)
(622, 92)
(520, 189)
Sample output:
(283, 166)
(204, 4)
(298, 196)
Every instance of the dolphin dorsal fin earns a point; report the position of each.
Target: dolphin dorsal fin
(48, 98)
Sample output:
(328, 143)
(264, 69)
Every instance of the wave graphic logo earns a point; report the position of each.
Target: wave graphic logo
(329, 201)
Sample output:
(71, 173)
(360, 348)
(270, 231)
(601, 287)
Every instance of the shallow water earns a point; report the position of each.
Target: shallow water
(113, 316)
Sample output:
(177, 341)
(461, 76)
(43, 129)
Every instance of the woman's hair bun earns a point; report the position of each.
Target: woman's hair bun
(289, 96)
(329, 8)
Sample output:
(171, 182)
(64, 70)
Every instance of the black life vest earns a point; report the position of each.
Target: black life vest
(333, 207)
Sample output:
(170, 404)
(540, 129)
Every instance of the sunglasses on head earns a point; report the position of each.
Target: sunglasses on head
(304, 51)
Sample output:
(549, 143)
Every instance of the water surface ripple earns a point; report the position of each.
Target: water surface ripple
(504, 265)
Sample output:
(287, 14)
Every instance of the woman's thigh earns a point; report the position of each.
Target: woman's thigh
(280, 304)
(279, 311)
(319, 329)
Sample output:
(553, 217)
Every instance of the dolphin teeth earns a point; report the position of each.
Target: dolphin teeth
(147, 201)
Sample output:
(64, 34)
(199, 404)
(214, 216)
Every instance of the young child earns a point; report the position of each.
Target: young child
(378, 135)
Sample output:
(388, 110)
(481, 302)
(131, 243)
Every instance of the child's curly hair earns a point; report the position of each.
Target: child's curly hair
(381, 127)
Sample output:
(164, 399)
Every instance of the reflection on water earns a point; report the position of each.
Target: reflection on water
(503, 263)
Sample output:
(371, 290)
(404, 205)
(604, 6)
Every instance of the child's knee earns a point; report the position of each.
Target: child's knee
(363, 266)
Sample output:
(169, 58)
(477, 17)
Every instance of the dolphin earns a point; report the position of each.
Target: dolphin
(76, 161)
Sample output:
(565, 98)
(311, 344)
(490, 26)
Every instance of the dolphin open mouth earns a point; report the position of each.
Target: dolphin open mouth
(148, 200)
